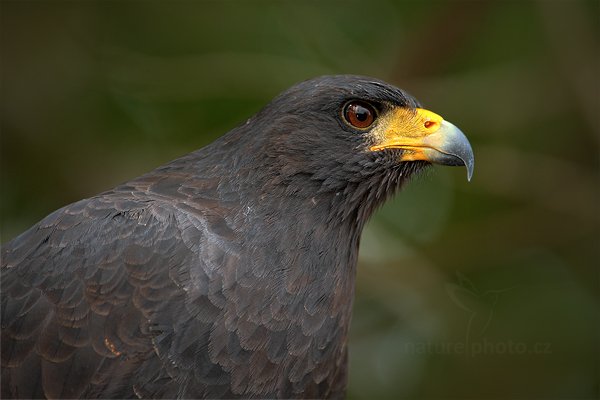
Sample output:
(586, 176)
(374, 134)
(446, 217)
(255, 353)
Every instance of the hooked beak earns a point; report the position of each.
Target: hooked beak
(424, 135)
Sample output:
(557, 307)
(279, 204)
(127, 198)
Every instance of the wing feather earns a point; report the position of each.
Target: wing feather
(106, 287)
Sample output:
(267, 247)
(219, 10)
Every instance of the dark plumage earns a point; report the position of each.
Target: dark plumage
(226, 273)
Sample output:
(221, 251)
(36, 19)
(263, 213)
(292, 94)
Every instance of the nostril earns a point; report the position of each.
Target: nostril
(429, 124)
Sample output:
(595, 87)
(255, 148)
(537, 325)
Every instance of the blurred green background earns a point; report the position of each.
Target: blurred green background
(488, 289)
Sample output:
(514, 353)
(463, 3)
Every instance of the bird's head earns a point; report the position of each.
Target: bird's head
(354, 133)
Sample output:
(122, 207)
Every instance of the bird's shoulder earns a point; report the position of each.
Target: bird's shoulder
(153, 209)
(108, 279)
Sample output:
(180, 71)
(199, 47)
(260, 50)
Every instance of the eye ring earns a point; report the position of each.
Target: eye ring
(359, 114)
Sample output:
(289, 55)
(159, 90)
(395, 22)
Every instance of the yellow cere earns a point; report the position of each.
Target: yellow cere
(404, 128)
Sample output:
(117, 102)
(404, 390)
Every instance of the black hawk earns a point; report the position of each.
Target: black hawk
(226, 273)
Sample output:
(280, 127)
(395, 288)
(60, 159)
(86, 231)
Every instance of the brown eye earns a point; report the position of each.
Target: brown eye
(359, 114)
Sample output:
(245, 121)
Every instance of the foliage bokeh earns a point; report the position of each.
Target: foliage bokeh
(486, 289)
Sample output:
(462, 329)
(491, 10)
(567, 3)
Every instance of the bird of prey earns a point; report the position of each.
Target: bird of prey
(226, 273)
